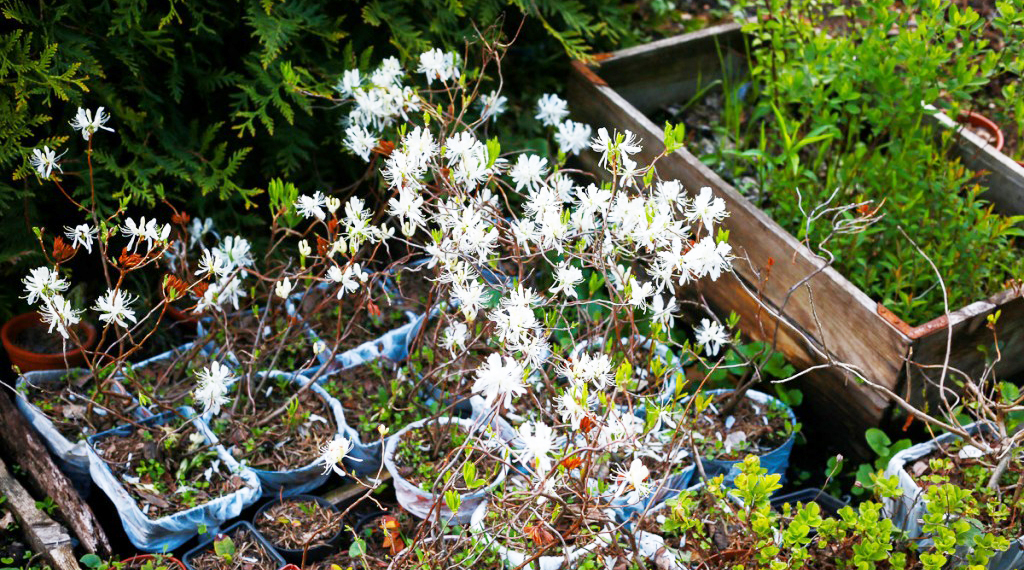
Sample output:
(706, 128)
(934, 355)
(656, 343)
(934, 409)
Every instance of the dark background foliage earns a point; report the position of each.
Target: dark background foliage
(207, 96)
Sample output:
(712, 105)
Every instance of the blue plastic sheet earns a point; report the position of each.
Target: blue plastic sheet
(169, 532)
(71, 457)
(775, 461)
(392, 345)
(304, 479)
(422, 503)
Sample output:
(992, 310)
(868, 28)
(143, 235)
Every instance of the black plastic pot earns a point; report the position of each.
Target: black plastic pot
(315, 553)
(278, 561)
(829, 505)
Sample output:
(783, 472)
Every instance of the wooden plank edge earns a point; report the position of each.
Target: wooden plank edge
(350, 489)
(24, 446)
(44, 535)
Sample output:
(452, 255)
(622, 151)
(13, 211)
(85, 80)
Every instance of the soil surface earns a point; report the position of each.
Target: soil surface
(414, 287)
(79, 409)
(249, 555)
(422, 454)
(167, 468)
(762, 429)
(358, 322)
(290, 441)
(169, 383)
(292, 524)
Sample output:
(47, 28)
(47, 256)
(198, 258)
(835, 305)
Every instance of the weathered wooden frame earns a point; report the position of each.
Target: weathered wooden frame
(783, 292)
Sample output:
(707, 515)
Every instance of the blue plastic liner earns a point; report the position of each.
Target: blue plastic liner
(304, 479)
(72, 458)
(776, 460)
(392, 345)
(167, 533)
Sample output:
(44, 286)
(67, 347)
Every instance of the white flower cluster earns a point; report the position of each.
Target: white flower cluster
(226, 265)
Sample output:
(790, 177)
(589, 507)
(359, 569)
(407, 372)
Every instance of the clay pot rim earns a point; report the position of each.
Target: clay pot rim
(978, 120)
(23, 321)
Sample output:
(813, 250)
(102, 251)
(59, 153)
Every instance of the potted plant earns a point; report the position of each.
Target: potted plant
(239, 547)
(532, 531)
(66, 407)
(374, 394)
(302, 528)
(272, 407)
(757, 423)
(166, 380)
(984, 498)
(377, 538)
(30, 346)
(443, 468)
(167, 476)
(356, 328)
(137, 562)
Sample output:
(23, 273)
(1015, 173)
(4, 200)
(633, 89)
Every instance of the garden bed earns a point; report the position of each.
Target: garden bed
(786, 294)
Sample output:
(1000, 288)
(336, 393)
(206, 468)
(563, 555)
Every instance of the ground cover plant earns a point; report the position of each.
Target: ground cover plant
(829, 135)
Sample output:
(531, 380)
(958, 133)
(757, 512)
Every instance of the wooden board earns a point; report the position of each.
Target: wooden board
(45, 536)
(20, 440)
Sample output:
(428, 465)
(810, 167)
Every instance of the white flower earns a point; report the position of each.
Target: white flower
(304, 249)
(538, 441)
(529, 171)
(236, 251)
(350, 81)
(455, 337)
(612, 147)
(334, 453)
(566, 278)
(706, 258)
(492, 105)
(113, 307)
(551, 109)
(573, 137)
(664, 312)
(436, 64)
(310, 206)
(44, 161)
(88, 123)
(360, 141)
(572, 408)
(43, 282)
(144, 231)
(283, 288)
(499, 379)
(57, 312)
(706, 208)
(637, 476)
(210, 264)
(351, 278)
(212, 392)
(639, 292)
(470, 296)
(198, 230)
(711, 335)
(586, 367)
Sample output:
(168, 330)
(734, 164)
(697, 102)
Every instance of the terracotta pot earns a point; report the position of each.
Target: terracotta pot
(171, 561)
(290, 567)
(982, 122)
(26, 360)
